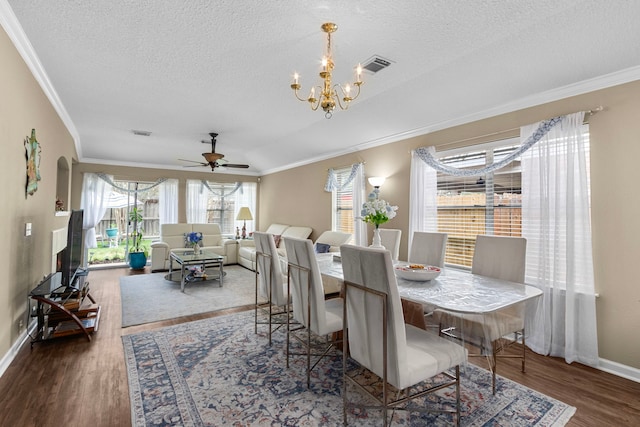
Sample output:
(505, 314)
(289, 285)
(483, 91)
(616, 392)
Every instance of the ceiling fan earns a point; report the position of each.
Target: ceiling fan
(213, 159)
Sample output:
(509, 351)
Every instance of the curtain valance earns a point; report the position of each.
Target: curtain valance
(332, 182)
(222, 193)
(427, 154)
(109, 180)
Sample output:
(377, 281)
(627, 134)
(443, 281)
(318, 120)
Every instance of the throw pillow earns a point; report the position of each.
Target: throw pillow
(277, 238)
(322, 248)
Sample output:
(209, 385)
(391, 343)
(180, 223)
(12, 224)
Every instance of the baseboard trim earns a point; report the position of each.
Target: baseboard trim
(619, 370)
(15, 348)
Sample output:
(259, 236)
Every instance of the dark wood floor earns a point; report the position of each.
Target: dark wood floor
(73, 382)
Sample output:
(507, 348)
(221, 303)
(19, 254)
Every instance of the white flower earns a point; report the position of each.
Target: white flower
(377, 211)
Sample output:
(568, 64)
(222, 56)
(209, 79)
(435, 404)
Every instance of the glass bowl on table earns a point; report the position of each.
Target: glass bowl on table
(417, 272)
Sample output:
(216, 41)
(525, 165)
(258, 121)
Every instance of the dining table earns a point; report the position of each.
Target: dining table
(455, 290)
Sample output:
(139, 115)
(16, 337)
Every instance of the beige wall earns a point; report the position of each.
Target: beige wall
(615, 145)
(25, 260)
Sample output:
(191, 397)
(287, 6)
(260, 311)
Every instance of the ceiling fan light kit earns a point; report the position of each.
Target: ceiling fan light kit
(328, 95)
(213, 159)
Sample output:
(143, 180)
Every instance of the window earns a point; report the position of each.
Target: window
(220, 208)
(219, 203)
(121, 202)
(489, 204)
(342, 202)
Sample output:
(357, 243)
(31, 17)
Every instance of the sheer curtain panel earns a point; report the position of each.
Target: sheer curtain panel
(246, 196)
(196, 202)
(556, 224)
(95, 194)
(169, 202)
(359, 197)
(423, 203)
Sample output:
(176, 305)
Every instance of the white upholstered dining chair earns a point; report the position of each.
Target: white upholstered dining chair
(402, 355)
(312, 313)
(271, 284)
(428, 248)
(390, 239)
(500, 257)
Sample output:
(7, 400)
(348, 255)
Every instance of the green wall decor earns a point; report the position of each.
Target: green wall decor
(33, 162)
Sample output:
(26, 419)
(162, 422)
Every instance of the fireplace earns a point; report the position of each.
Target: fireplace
(58, 244)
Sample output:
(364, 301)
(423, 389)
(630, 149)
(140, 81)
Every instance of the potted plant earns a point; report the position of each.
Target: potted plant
(138, 252)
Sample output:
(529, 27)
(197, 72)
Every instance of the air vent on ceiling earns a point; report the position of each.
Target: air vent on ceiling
(375, 64)
(141, 132)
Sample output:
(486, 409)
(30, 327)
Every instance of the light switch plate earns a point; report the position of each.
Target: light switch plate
(27, 229)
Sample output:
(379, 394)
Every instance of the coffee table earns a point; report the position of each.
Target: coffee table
(193, 268)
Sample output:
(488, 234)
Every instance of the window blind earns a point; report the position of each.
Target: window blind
(488, 204)
(342, 206)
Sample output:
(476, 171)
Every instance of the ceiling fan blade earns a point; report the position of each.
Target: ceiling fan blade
(193, 161)
(233, 165)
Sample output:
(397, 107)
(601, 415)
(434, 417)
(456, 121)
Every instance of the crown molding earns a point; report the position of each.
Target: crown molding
(14, 30)
(602, 82)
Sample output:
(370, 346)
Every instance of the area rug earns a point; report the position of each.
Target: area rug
(217, 371)
(149, 297)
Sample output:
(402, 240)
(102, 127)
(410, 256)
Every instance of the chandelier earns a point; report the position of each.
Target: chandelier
(329, 96)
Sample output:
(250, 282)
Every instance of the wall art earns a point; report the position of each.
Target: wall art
(33, 162)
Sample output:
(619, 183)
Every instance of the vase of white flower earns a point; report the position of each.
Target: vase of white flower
(377, 242)
(377, 211)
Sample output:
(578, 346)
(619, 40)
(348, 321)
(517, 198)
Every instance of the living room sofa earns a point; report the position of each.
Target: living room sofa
(172, 238)
(247, 248)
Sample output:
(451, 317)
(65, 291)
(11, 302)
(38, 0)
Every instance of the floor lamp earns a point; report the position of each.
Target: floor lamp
(243, 215)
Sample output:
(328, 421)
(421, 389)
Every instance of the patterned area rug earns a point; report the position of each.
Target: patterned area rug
(217, 372)
(149, 298)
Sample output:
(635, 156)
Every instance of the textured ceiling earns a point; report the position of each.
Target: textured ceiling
(183, 69)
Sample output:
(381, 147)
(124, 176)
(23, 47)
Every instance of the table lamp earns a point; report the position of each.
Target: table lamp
(243, 215)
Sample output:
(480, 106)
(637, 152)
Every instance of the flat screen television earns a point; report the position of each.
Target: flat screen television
(72, 254)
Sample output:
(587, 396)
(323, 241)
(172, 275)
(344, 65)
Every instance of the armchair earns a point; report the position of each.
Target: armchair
(333, 239)
(247, 248)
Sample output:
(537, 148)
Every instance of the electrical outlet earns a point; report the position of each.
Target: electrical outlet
(20, 324)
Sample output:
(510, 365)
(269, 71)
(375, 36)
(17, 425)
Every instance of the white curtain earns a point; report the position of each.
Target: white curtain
(94, 198)
(423, 197)
(358, 198)
(246, 196)
(556, 224)
(169, 202)
(197, 196)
